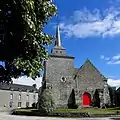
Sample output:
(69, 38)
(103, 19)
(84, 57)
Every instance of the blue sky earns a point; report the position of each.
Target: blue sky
(90, 29)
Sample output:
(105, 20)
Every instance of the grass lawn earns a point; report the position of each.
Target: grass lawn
(88, 110)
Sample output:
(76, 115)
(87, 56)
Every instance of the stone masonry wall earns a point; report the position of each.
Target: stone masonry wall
(89, 78)
(59, 71)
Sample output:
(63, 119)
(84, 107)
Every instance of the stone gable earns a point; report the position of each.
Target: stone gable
(88, 77)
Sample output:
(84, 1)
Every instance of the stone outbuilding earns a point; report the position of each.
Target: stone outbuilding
(17, 96)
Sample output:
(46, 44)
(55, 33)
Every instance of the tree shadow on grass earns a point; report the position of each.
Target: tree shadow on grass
(115, 108)
(114, 118)
(35, 110)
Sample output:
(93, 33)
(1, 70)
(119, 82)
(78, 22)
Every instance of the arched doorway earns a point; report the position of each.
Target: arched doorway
(86, 99)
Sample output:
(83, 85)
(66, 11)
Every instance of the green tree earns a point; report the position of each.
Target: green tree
(46, 103)
(96, 99)
(22, 40)
(71, 101)
(113, 95)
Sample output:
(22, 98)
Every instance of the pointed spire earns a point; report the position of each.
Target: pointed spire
(58, 41)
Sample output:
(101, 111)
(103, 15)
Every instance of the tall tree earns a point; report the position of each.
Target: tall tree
(22, 40)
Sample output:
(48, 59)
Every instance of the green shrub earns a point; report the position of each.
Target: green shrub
(34, 105)
(71, 101)
(96, 99)
(46, 102)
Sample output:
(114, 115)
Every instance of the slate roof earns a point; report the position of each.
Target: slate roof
(17, 87)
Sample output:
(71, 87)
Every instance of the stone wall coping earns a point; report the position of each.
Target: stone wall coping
(61, 56)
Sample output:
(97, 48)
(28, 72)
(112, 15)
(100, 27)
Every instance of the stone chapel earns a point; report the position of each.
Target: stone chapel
(61, 76)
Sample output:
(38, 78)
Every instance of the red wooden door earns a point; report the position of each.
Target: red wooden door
(86, 99)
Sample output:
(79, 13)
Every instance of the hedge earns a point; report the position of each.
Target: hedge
(54, 114)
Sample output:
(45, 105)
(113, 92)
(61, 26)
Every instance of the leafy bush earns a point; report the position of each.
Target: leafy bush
(46, 102)
(55, 114)
(34, 105)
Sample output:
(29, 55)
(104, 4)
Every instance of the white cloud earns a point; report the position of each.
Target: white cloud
(114, 62)
(116, 57)
(86, 23)
(102, 57)
(24, 80)
(114, 82)
(107, 58)
(111, 60)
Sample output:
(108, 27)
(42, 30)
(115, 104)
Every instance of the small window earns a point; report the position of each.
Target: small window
(19, 97)
(60, 51)
(27, 104)
(27, 97)
(19, 104)
(56, 51)
(11, 96)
